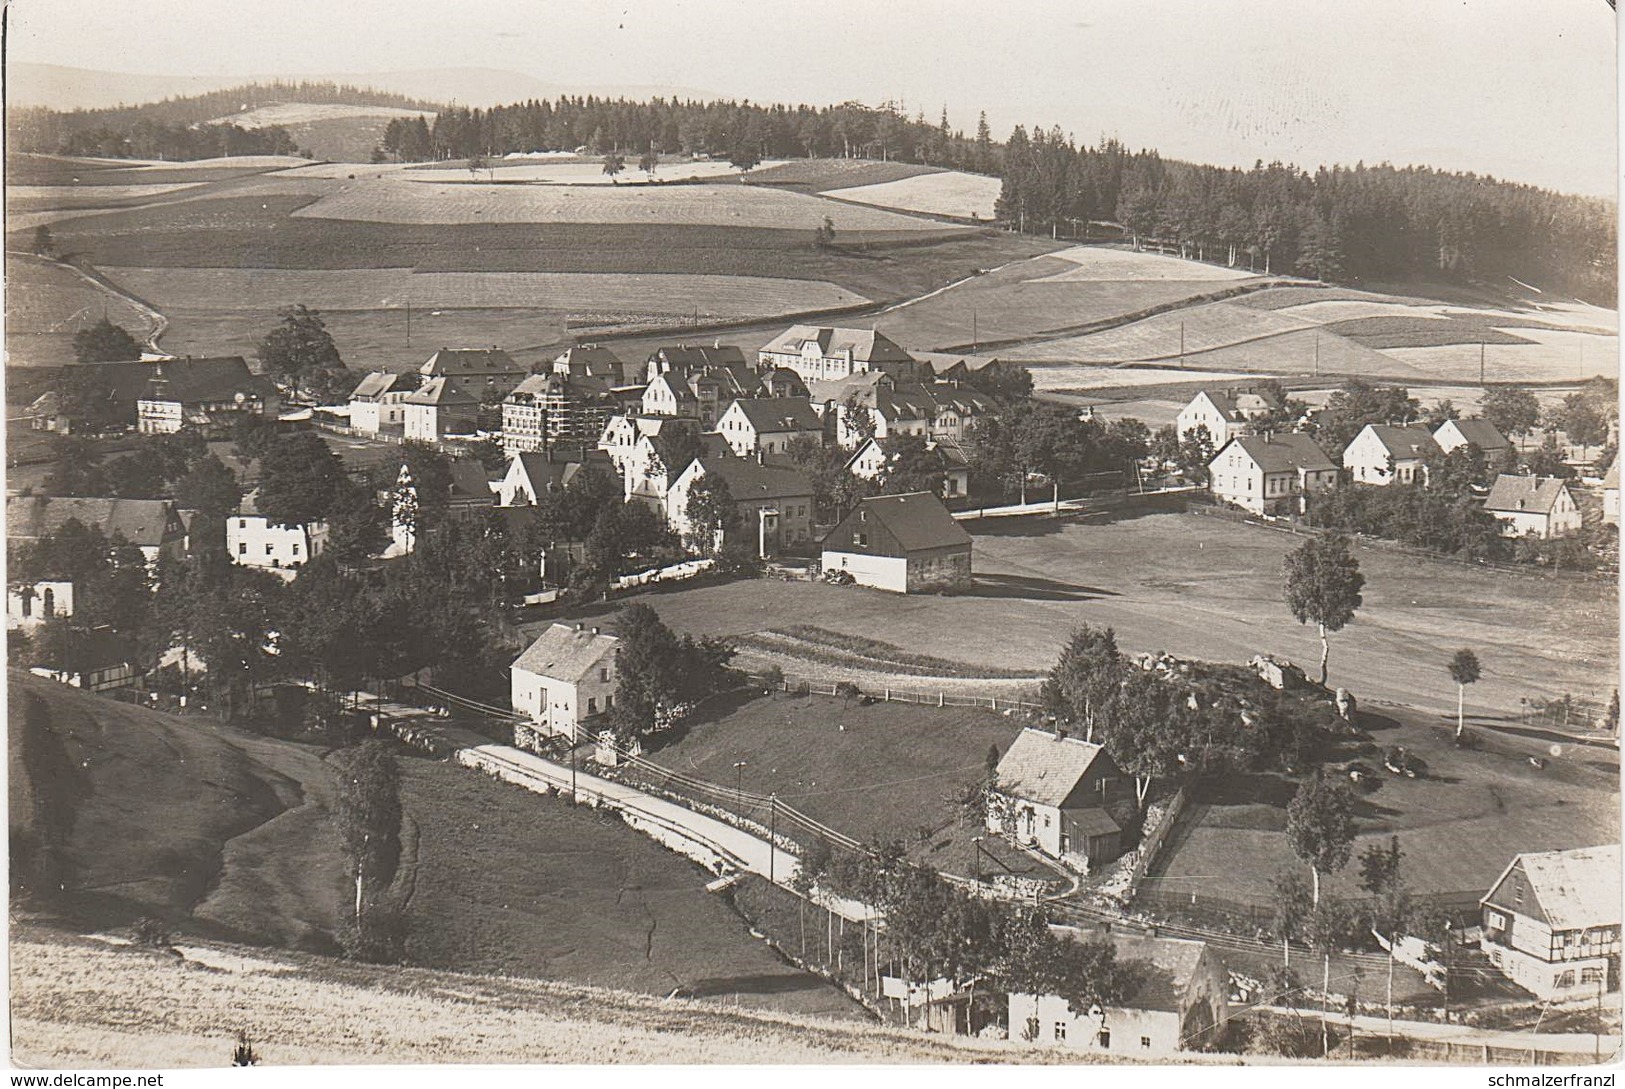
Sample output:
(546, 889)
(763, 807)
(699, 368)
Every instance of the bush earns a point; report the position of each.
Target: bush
(379, 939)
(150, 933)
(243, 1053)
(846, 689)
(773, 677)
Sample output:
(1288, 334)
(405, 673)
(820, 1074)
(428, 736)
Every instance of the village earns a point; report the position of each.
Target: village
(473, 558)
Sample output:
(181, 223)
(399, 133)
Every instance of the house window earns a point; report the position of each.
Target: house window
(268, 547)
(861, 540)
(296, 548)
(1105, 1037)
(1060, 1032)
(1592, 975)
(1145, 1041)
(1565, 979)
(603, 673)
(1496, 920)
(592, 705)
(242, 548)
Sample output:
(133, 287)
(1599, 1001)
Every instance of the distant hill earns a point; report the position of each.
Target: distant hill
(64, 88)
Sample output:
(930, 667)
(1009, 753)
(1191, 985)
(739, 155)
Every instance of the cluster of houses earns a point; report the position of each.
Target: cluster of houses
(1281, 472)
(162, 397)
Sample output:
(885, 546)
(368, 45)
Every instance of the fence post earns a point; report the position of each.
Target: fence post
(888, 695)
(939, 700)
(993, 701)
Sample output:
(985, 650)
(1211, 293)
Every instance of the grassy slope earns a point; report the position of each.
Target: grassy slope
(228, 835)
(77, 1004)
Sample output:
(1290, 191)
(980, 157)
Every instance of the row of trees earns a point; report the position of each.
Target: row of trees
(1343, 223)
(146, 139)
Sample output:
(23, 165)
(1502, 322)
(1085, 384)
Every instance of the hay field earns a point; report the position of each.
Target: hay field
(1200, 328)
(92, 194)
(1101, 263)
(1310, 352)
(574, 292)
(1556, 355)
(303, 113)
(818, 175)
(949, 193)
(583, 172)
(1078, 377)
(392, 201)
(46, 304)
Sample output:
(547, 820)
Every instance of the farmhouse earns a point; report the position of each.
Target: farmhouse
(1383, 454)
(97, 660)
(821, 354)
(1059, 794)
(1271, 474)
(533, 475)
(31, 604)
(546, 410)
(758, 425)
(484, 373)
(208, 396)
(1480, 433)
(110, 392)
(1533, 506)
(962, 368)
(904, 543)
(1179, 1000)
(253, 540)
(565, 679)
(772, 505)
(871, 460)
(591, 361)
(1552, 920)
(376, 405)
(440, 409)
(152, 525)
(936, 410)
(1226, 414)
(670, 395)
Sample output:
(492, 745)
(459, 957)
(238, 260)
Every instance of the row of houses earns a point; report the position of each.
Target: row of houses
(160, 396)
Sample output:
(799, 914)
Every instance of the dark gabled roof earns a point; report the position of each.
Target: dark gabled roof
(1573, 890)
(694, 357)
(129, 380)
(1481, 433)
(1291, 452)
(470, 362)
(786, 377)
(944, 362)
(442, 392)
(1044, 768)
(749, 479)
(378, 383)
(195, 381)
(142, 522)
(571, 387)
(592, 360)
(1524, 494)
(1404, 443)
(469, 484)
(1163, 970)
(918, 520)
(866, 345)
(772, 414)
(87, 651)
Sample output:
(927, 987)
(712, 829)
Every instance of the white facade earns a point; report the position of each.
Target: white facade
(29, 606)
(158, 417)
(565, 678)
(881, 572)
(372, 416)
(1563, 520)
(254, 541)
(1369, 460)
(1203, 412)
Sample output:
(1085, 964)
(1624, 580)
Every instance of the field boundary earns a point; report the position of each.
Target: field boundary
(796, 684)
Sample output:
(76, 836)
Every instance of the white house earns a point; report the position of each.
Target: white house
(31, 604)
(565, 679)
(591, 361)
(376, 404)
(774, 505)
(669, 395)
(824, 353)
(904, 543)
(483, 373)
(1384, 454)
(1552, 919)
(942, 411)
(1610, 495)
(1533, 506)
(1179, 1002)
(1225, 414)
(1481, 433)
(766, 425)
(1271, 474)
(870, 460)
(255, 541)
(1059, 794)
(440, 408)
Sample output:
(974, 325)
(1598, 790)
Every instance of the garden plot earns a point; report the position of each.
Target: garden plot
(391, 201)
(372, 289)
(951, 193)
(1198, 328)
(1092, 263)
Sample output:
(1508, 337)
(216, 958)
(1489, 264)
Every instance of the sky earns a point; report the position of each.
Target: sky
(1520, 89)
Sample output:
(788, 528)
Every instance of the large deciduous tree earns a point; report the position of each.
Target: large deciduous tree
(1464, 670)
(300, 351)
(301, 480)
(1323, 584)
(1320, 826)
(369, 825)
(1085, 676)
(105, 342)
(1512, 410)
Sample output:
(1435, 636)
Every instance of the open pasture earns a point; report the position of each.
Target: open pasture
(1090, 264)
(46, 304)
(572, 292)
(392, 201)
(1308, 353)
(1205, 587)
(1552, 355)
(1161, 338)
(1458, 828)
(946, 193)
(580, 172)
(39, 197)
(56, 170)
(819, 175)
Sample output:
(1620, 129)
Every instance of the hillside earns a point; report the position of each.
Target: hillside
(81, 1004)
(224, 835)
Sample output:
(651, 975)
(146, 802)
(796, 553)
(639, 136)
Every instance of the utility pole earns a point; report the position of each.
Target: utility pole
(408, 323)
(772, 838)
(1325, 1008)
(1181, 345)
(575, 738)
(974, 338)
(739, 789)
(1480, 361)
(1317, 354)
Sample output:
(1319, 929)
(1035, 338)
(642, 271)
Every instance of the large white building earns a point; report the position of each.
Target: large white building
(253, 540)
(1225, 414)
(439, 409)
(1271, 474)
(1533, 506)
(1383, 454)
(377, 406)
(1552, 922)
(822, 353)
(565, 679)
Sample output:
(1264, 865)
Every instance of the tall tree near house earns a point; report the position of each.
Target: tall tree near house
(1380, 875)
(209, 487)
(1464, 670)
(1320, 826)
(1512, 410)
(40, 864)
(299, 348)
(1323, 584)
(301, 480)
(369, 820)
(76, 468)
(857, 418)
(712, 514)
(1146, 726)
(1085, 676)
(105, 342)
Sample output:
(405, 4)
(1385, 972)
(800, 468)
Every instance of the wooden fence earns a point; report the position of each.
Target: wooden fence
(799, 685)
(1152, 843)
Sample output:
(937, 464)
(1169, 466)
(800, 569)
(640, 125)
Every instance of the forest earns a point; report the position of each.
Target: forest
(1365, 224)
